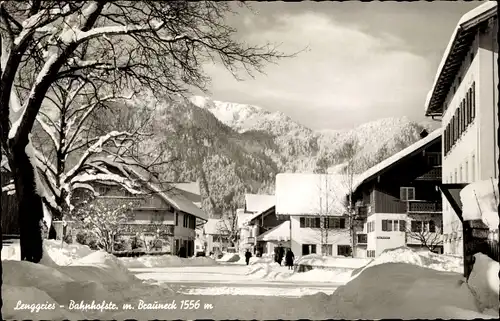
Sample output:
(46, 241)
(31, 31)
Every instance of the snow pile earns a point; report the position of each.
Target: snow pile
(332, 261)
(405, 291)
(65, 254)
(229, 257)
(165, 261)
(260, 291)
(262, 270)
(422, 258)
(480, 202)
(484, 283)
(54, 252)
(106, 262)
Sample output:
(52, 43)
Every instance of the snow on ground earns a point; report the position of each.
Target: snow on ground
(406, 291)
(484, 283)
(260, 291)
(230, 257)
(165, 261)
(427, 259)
(332, 261)
(379, 291)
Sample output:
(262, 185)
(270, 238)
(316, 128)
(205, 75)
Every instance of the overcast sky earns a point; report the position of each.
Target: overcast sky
(364, 60)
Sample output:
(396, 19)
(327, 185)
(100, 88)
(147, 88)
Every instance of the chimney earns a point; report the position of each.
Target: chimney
(424, 133)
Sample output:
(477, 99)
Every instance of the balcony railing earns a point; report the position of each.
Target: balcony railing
(250, 240)
(361, 211)
(362, 238)
(416, 206)
(433, 175)
(133, 228)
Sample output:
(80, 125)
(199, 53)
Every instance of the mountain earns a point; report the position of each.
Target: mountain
(233, 149)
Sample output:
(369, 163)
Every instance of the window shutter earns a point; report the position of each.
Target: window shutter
(473, 100)
(302, 222)
(402, 193)
(313, 248)
(384, 225)
(402, 225)
(342, 223)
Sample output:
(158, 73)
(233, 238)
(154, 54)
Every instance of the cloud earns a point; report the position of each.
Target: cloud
(344, 70)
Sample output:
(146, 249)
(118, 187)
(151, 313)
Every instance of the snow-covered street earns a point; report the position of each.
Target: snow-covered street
(231, 279)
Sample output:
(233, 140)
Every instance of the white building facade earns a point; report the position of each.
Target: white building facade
(317, 214)
(465, 95)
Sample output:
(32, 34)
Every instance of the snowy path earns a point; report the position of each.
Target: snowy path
(229, 280)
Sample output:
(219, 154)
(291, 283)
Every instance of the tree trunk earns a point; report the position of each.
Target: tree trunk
(1, 269)
(30, 205)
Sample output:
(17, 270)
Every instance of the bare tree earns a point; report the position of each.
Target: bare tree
(350, 154)
(108, 45)
(425, 231)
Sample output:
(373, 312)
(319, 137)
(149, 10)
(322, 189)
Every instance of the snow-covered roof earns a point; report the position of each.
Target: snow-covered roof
(215, 226)
(458, 46)
(176, 198)
(242, 217)
(256, 215)
(480, 202)
(190, 187)
(280, 233)
(310, 194)
(259, 202)
(422, 143)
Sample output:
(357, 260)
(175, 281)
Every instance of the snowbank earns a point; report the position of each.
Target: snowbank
(54, 252)
(484, 283)
(332, 261)
(405, 291)
(165, 261)
(480, 202)
(230, 257)
(426, 259)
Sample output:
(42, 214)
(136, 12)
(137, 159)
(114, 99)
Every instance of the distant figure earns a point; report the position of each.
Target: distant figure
(182, 252)
(289, 259)
(281, 253)
(248, 255)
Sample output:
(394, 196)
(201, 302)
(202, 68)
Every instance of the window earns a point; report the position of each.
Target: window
(370, 253)
(459, 117)
(327, 249)
(460, 172)
(176, 218)
(389, 225)
(433, 160)
(466, 171)
(432, 227)
(310, 222)
(339, 223)
(344, 250)
(416, 226)
(308, 249)
(396, 227)
(467, 109)
(402, 225)
(406, 193)
(157, 217)
(473, 168)
(456, 176)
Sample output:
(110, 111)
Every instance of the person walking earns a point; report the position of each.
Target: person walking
(289, 258)
(248, 255)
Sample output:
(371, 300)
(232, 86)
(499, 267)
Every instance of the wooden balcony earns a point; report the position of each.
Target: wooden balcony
(432, 175)
(361, 212)
(424, 207)
(162, 229)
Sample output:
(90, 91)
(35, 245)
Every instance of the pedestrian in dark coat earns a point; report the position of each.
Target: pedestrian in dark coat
(289, 259)
(248, 255)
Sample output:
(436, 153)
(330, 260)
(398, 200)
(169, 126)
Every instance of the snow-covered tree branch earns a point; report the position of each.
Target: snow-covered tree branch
(104, 47)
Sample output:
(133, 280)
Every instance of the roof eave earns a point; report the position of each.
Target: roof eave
(434, 107)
